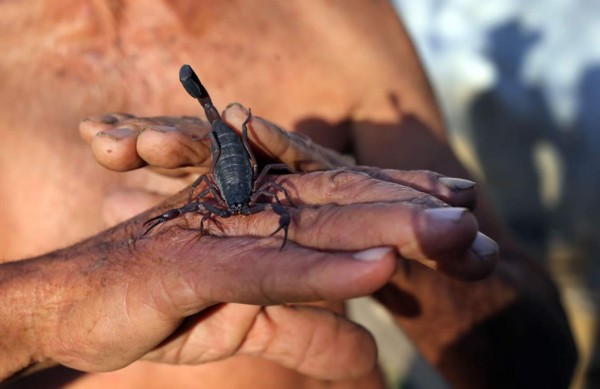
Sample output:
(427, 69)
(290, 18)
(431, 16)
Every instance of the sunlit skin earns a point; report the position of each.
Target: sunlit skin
(359, 88)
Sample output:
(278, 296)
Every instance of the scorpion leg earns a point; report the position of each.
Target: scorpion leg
(204, 218)
(279, 209)
(271, 189)
(172, 214)
(221, 212)
(266, 170)
(261, 188)
(284, 222)
(211, 188)
(251, 156)
(194, 185)
(210, 210)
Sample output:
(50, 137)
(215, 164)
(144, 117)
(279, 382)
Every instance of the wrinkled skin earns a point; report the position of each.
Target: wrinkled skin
(358, 87)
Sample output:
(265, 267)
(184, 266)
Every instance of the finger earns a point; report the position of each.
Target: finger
(173, 146)
(123, 143)
(394, 215)
(430, 237)
(312, 341)
(390, 215)
(89, 127)
(207, 269)
(115, 149)
(478, 262)
(444, 239)
(349, 187)
(458, 192)
(295, 150)
(363, 184)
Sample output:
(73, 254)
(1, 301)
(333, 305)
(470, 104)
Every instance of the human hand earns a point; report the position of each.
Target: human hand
(176, 150)
(177, 297)
(123, 142)
(178, 147)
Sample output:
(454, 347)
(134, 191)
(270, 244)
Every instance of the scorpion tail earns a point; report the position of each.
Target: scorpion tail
(191, 83)
(194, 87)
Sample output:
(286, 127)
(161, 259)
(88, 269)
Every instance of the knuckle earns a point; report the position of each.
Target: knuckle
(342, 179)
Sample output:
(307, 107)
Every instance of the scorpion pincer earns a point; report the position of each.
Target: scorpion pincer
(232, 179)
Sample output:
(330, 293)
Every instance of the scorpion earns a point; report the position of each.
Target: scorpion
(232, 179)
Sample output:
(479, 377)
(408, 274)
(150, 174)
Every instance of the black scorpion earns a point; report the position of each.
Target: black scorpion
(232, 179)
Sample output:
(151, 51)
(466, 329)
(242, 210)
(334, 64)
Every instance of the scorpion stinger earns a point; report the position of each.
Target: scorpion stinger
(232, 181)
(194, 87)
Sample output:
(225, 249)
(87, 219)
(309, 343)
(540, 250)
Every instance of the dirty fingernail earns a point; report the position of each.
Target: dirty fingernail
(158, 128)
(457, 183)
(109, 118)
(446, 213)
(374, 254)
(484, 246)
(118, 133)
(106, 119)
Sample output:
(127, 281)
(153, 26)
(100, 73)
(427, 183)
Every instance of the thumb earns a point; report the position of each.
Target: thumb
(311, 340)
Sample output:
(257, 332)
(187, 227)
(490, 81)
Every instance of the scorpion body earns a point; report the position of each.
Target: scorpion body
(232, 179)
(233, 172)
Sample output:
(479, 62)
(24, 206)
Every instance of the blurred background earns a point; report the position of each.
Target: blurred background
(519, 84)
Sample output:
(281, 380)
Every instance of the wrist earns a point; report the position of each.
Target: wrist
(33, 293)
(20, 339)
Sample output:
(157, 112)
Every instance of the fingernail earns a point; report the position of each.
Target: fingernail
(374, 254)
(105, 119)
(484, 246)
(109, 118)
(446, 213)
(161, 129)
(118, 133)
(236, 104)
(454, 183)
